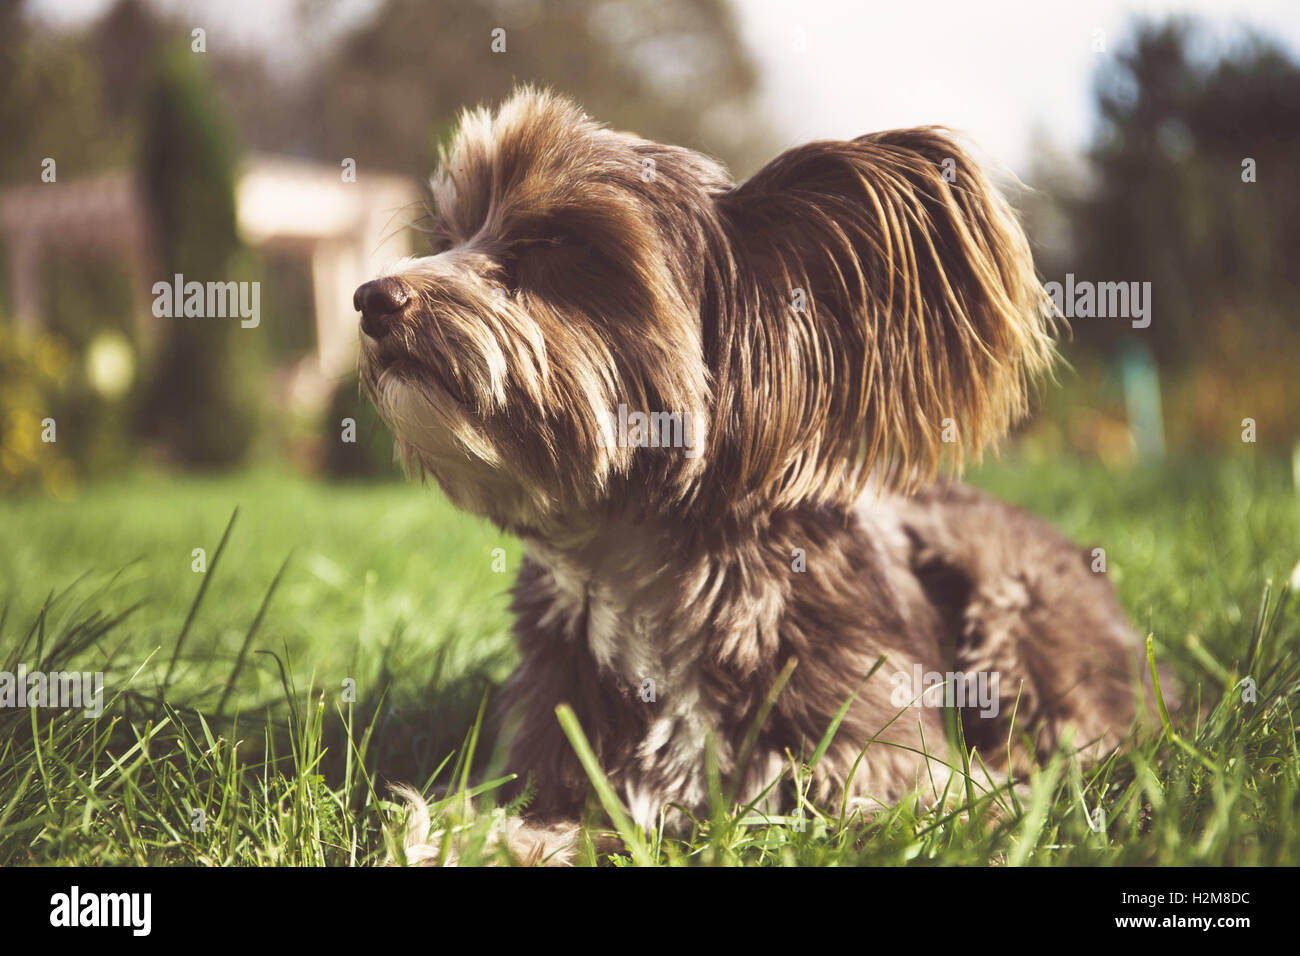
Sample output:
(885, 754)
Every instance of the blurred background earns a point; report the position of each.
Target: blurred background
(287, 142)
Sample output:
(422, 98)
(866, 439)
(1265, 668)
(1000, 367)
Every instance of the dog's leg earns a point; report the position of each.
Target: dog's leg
(1032, 618)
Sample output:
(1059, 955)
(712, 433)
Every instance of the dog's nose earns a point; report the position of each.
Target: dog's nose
(380, 302)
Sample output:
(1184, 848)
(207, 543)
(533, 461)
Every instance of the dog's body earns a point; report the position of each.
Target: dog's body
(824, 333)
(945, 581)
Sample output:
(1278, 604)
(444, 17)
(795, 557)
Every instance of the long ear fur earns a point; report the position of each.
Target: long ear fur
(919, 304)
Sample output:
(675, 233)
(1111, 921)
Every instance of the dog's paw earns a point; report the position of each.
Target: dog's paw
(528, 843)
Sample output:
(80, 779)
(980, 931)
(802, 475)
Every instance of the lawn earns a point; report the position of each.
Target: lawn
(227, 738)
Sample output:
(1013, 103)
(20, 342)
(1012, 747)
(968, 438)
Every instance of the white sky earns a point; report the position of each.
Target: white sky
(996, 69)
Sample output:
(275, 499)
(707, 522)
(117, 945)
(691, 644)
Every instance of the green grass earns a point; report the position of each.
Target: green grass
(237, 718)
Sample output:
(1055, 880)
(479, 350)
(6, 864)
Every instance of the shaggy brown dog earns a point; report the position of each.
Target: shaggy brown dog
(713, 414)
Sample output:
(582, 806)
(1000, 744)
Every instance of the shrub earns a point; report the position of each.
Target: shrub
(371, 454)
(200, 401)
(33, 371)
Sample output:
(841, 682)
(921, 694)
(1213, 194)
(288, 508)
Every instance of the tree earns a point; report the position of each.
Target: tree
(200, 399)
(1170, 204)
(677, 72)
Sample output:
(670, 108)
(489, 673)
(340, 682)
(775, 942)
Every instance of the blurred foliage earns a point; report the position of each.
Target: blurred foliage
(677, 72)
(380, 86)
(1162, 199)
(84, 297)
(34, 371)
(1170, 204)
(287, 294)
(370, 453)
(201, 400)
(1159, 196)
(52, 103)
(87, 309)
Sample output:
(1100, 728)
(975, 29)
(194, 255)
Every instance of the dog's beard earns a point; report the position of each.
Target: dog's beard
(435, 435)
(430, 427)
(493, 433)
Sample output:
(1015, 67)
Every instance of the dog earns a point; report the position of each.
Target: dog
(715, 415)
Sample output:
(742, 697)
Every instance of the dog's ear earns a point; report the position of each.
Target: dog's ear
(878, 308)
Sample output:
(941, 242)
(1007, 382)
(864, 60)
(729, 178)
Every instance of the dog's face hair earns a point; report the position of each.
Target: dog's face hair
(846, 309)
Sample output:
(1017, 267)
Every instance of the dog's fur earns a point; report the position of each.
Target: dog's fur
(836, 327)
